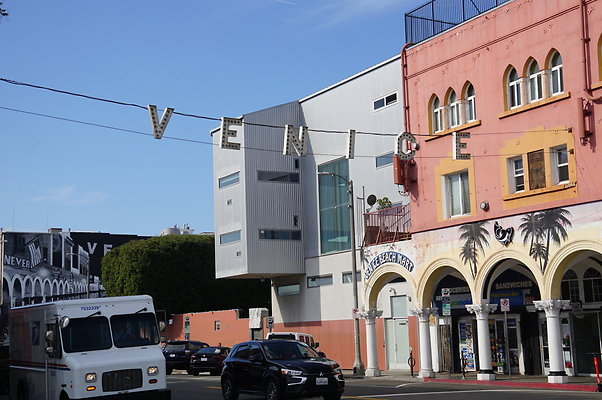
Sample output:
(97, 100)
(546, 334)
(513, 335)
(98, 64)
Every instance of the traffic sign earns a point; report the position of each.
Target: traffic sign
(446, 309)
(505, 305)
(445, 292)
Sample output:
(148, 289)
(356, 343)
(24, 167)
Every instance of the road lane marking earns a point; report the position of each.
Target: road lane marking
(377, 396)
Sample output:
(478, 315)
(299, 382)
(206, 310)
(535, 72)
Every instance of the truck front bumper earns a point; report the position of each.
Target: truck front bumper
(162, 394)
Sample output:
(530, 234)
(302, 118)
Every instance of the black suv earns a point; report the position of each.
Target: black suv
(178, 352)
(280, 368)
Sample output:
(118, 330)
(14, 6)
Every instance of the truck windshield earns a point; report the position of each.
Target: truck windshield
(86, 334)
(131, 330)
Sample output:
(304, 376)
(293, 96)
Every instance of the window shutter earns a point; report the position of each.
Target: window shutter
(537, 170)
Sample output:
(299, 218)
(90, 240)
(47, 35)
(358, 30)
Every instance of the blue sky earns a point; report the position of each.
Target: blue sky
(206, 57)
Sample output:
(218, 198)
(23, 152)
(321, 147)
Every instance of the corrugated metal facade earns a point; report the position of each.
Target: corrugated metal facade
(273, 205)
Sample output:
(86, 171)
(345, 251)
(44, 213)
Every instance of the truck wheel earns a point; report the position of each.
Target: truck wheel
(22, 392)
(64, 396)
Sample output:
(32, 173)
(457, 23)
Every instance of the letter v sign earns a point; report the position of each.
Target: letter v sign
(159, 126)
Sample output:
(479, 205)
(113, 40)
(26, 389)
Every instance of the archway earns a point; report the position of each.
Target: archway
(576, 276)
(511, 284)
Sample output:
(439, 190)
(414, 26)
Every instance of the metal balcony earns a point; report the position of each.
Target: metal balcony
(437, 16)
(387, 225)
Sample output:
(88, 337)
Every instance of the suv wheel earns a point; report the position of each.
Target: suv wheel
(332, 396)
(228, 390)
(272, 390)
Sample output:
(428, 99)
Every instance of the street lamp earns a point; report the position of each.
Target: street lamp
(358, 365)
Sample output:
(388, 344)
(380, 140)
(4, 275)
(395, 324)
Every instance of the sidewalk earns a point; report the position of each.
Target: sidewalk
(576, 383)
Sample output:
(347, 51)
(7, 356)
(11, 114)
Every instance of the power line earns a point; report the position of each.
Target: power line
(130, 131)
(333, 131)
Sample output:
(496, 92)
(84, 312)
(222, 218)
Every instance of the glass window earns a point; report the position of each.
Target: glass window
(385, 159)
(288, 290)
(315, 281)
(556, 74)
(348, 275)
(535, 90)
(385, 101)
(437, 115)
(86, 334)
(458, 196)
(518, 174)
(131, 330)
(281, 234)
(570, 286)
(333, 195)
(228, 180)
(242, 352)
(592, 285)
(399, 307)
(454, 110)
(276, 176)
(229, 237)
(514, 99)
(561, 162)
(471, 107)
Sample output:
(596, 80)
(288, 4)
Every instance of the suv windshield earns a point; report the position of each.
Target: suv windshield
(288, 351)
(131, 330)
(86, 334)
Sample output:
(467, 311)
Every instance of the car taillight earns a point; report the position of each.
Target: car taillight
(187, 352)
(193, 357)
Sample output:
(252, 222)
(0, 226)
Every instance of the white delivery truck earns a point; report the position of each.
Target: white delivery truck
(101, 348)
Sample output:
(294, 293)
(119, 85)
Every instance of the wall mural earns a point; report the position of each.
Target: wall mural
(538, 229)
(475, 238)
(541, 228)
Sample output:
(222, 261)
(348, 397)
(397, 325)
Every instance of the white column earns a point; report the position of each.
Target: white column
(482, 311)
(426, 360)
(552, 308)
(371, 350)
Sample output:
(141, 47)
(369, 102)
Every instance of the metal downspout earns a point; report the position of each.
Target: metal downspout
(585, 43)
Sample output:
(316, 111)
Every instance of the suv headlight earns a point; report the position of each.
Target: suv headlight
(91, 377)
(338, 371)
(152, 370)
(290, 372)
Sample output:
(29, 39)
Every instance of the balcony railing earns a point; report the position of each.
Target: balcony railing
(436, 16)
(387, 225)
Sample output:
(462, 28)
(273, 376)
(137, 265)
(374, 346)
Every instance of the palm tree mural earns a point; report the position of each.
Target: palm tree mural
(541, 228)
(475, 239)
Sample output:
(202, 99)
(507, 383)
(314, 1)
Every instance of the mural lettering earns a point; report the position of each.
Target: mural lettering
(388, 257)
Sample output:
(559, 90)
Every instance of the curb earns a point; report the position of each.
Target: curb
(537, 385)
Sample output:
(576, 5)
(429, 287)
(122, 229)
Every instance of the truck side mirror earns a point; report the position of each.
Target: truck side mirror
(50, 351)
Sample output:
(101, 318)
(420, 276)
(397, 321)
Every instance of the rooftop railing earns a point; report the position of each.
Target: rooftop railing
(437, 16)
(387, 225)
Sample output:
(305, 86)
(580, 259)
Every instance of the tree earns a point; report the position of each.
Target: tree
(383, 203)
(179, 273)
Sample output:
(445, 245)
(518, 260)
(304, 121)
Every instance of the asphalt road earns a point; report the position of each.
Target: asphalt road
(186, 387)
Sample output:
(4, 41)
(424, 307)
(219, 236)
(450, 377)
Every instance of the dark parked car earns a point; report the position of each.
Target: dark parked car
(208, 359)
(278, 369)
(178, 352)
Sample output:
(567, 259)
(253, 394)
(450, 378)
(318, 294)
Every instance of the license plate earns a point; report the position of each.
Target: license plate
(203, 358)
(321, 381)
(172, 355)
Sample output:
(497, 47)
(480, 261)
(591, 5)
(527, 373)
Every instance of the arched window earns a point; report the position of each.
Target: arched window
(437, 115)
(592, 285)
(471, 107)
(535, 89)
(514, 99)
(453, 116)
(557, 83)
(570, 286)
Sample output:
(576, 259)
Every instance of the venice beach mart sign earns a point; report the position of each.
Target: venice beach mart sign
(405, 145)
(388, 257)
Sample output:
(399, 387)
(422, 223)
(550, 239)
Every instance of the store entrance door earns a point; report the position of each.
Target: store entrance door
(587, 341)
(397, 343)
